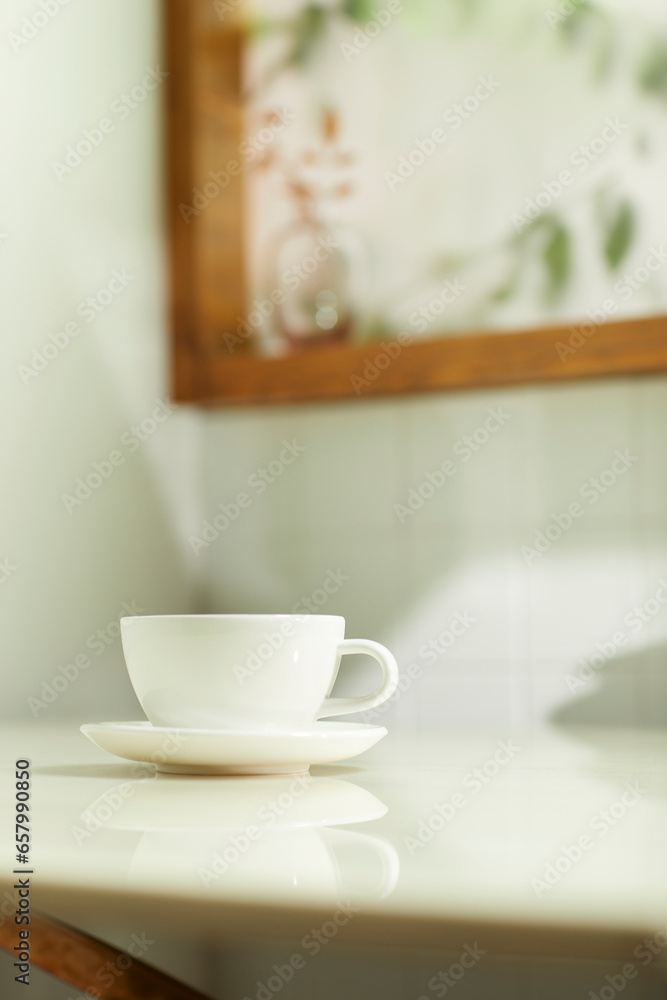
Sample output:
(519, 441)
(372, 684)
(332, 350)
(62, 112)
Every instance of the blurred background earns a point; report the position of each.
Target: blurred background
(83, 250)
(452, 124)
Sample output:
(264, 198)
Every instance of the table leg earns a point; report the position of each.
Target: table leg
(76, 959)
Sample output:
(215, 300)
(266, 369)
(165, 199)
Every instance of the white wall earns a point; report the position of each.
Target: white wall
(536, 619)
(63, 240)
(536, 616)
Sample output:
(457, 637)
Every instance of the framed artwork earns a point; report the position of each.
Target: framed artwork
(365, 201)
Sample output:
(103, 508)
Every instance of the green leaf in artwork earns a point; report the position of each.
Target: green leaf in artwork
(503, 293)
(557, 258)
(358, 10)
(308, 29)
(619, 235)
(653, 70)
(570, 22)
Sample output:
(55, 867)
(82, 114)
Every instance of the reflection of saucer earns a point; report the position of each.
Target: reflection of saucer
(217, 751)
(278, 803)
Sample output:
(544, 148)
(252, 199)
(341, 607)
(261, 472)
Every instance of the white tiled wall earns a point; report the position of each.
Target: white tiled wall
(334, 508)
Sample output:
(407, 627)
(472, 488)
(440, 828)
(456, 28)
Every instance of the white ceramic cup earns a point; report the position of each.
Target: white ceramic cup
(245, 672)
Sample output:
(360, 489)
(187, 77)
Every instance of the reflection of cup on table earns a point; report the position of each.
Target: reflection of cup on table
(317, 862)
(245, 672)
(257, 834)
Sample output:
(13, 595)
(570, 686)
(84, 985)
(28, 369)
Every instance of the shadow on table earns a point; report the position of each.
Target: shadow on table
(121, 772)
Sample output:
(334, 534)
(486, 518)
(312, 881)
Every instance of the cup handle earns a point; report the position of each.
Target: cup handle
(343, 706)
(380, 846)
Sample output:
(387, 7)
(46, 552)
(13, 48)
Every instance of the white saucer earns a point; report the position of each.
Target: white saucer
(218, 751)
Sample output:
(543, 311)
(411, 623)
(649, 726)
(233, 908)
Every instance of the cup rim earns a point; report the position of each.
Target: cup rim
(230, 617)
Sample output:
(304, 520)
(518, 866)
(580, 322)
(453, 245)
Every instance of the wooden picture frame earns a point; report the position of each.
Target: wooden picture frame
(204, 193)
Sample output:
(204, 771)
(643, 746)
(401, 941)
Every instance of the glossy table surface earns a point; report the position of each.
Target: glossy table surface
(552, 843)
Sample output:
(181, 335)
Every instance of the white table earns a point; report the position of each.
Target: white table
(556, 845)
